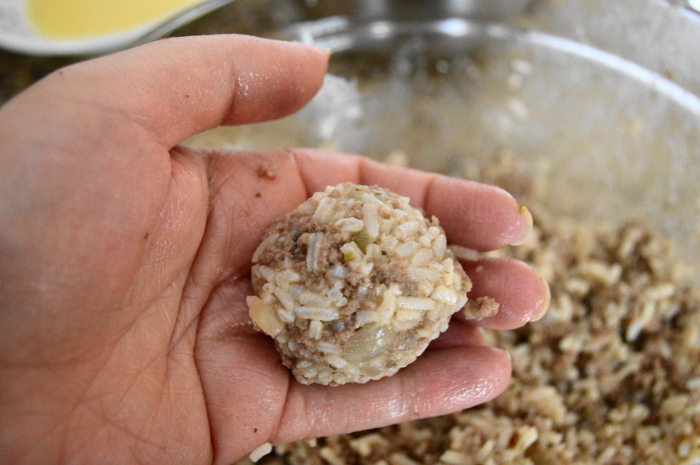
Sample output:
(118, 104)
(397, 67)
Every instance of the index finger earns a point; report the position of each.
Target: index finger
(474, 215)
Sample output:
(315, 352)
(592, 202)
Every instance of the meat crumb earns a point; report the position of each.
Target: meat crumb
(480, 308)
(267, 171)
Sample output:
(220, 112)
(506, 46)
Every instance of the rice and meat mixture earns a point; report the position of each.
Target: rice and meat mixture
(610, 376)
(354, 284)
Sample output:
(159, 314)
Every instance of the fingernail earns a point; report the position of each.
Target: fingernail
(312, 45)
(502, 352)
(319, 47)
(527, 218)
(546, 301)
(481, 334)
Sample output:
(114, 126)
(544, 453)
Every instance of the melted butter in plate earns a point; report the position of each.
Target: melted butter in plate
(82, 19)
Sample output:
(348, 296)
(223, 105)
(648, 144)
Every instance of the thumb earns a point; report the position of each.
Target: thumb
(178, 87)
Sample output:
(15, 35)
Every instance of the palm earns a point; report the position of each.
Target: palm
(125, 287)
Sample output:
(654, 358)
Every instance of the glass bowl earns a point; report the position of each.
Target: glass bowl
(599, 98)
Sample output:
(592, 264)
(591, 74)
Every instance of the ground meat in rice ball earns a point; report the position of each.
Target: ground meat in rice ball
(354, 284)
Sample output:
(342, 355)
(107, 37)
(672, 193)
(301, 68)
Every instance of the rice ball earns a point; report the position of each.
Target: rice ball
(354, 284)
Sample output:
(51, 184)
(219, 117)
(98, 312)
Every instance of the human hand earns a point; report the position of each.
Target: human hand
(125, 260)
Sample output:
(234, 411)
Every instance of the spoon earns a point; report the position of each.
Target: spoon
(70, 27)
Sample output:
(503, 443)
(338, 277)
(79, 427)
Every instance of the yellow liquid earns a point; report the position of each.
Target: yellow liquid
(82, 19)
